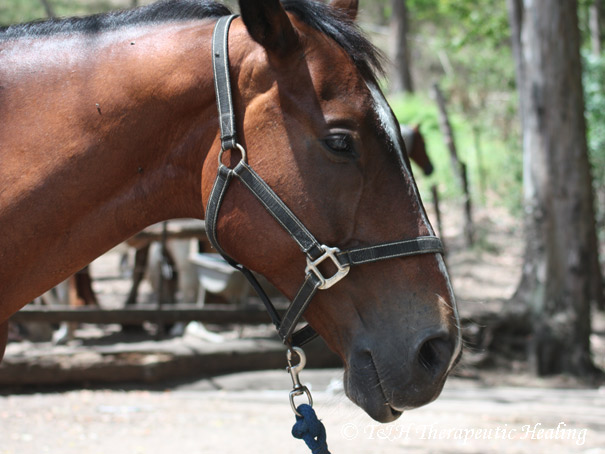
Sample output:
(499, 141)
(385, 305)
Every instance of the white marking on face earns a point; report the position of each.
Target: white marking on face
(391, 127)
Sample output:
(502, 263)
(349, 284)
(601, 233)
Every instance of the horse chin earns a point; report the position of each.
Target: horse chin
(370, 397)
(365, 387)
(377, 410)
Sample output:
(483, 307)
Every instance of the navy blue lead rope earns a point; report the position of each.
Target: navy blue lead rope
(310, 429)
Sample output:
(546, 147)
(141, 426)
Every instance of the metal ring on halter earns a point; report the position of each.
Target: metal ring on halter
(239, 147)
(299, 392)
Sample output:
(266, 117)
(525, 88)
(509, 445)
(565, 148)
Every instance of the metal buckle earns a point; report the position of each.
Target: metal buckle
(329, 253)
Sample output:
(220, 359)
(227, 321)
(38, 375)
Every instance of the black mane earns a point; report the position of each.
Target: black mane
(159, 12)
(317, 15)
(337, 25)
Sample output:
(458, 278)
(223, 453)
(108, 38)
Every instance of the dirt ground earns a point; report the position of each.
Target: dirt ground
(249, 412)
(479, 411)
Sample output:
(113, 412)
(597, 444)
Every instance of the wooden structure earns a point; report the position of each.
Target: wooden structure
(214, 314)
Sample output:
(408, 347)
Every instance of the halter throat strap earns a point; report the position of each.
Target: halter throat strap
(222, 82)
(315, 252)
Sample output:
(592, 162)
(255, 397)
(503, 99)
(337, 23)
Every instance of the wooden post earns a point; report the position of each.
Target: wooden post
(458, 167)
(167, 279)
(3, 337)
(469, 229)
(216, 314)
(480, 166)
(48, 8)
(446, 130)
(435, 193)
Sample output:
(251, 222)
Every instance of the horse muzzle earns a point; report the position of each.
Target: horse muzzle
(386, 380)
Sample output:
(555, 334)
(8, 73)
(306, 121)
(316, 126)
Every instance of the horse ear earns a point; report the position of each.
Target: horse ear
(269, 25)
(349, 7)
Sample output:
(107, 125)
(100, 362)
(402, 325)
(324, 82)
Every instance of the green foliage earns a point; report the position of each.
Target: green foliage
(594, 96)
(376, 11)
(19, 11)
(499, 165)
(417, 109)
(465, 47)
(594, 93)
(475, 40)
(468, 22)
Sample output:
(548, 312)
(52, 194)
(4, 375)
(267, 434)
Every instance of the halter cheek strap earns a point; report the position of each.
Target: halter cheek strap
(315, 251)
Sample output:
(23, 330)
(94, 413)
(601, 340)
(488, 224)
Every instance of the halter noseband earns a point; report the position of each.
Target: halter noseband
(315, 251)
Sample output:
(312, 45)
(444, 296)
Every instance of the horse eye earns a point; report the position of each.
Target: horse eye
(340, 144)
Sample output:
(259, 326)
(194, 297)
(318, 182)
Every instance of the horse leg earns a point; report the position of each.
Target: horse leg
(66, 330)
(140, 266)
(138, 273)
(84, 294)
(80, 294)
(3, 338)
(168, 284)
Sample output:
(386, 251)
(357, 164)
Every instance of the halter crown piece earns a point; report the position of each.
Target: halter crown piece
(315, 251)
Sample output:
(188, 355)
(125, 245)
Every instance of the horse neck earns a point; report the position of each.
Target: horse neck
(115, 141)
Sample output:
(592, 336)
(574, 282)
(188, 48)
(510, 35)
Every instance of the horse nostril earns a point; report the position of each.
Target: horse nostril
(434, 355)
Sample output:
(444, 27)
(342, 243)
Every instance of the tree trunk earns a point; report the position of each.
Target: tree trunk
(402, 77)
(558, 282)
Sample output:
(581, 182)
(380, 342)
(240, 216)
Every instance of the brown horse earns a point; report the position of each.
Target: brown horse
(109, 124)
(416, 147)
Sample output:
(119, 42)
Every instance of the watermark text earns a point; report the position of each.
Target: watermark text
(535, 431)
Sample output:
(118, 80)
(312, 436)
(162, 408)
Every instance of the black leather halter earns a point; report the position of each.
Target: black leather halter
(315, 251)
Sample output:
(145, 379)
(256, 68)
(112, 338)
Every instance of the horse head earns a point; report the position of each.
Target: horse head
(318, 130)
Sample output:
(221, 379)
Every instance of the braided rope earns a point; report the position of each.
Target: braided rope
(311, 430)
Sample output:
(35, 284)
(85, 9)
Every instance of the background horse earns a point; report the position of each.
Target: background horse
(109, 124)
(416, 147)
